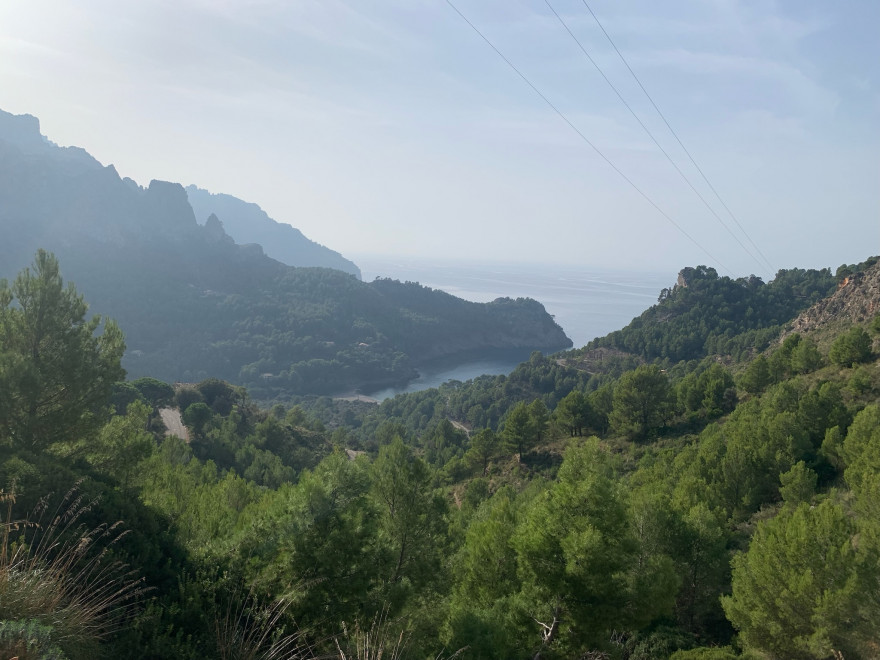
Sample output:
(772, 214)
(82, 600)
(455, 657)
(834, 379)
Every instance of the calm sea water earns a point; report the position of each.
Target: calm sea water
(586, 302)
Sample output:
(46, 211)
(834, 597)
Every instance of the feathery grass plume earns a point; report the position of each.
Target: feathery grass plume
(378, 643)
(59, 582)
(251, 631)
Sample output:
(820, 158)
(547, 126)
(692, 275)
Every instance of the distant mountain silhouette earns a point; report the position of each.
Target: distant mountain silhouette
(193, 303)
(248, 223)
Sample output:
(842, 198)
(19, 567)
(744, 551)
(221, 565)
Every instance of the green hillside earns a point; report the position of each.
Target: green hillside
(721, 507)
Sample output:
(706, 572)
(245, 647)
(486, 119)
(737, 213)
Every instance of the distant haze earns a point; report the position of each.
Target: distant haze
(391, 127)
(586, 302)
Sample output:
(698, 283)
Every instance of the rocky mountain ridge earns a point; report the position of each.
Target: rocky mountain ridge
(63, 180)
(194, 304)
(856, 300)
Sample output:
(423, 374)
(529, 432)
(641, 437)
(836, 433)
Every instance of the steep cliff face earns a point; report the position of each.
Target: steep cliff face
(62, 199)
(22, 131)
(168, 208)
(856, 300)
(248, 223)
(54, 197)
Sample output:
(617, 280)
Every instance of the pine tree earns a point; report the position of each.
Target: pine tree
(56, 373)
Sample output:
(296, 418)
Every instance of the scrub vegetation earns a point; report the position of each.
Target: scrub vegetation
(700, 484)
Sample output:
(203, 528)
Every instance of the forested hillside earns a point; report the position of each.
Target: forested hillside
(193, 304)
(704, 314)
(721, 507)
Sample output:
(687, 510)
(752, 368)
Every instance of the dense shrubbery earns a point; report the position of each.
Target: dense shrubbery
(702, 520)
(851, 348)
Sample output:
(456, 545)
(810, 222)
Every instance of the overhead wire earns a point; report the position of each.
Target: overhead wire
(585, 139)
(678, 139)
(651, 135)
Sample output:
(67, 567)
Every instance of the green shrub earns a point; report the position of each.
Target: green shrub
(705, 653)
(851, 348)
(28, 640)
(860, 381)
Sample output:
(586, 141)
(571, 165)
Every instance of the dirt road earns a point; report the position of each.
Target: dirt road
(173, 422)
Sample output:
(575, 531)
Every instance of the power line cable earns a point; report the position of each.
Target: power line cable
(651, 135)
(675, 135)
(584, 137)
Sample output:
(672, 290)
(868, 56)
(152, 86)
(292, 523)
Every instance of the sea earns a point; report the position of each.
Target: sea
(586, 302)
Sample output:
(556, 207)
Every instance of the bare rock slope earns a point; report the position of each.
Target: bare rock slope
(856, 300)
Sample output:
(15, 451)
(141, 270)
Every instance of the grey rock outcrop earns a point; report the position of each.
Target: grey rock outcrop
(856, 300)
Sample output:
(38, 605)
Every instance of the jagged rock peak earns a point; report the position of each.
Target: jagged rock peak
(215, 230)
(246, 223)
(214, 224)
(170, 203)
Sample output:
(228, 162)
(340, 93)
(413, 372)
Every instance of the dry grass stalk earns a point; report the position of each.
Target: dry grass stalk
(375, 643)
(250, 632)
(60, 576)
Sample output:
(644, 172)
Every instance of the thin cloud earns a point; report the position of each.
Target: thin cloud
(802, 93)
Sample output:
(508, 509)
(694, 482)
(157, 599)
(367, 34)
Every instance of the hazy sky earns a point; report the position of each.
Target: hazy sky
(390, 126)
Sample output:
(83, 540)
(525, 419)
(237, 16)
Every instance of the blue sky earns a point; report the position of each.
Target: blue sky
(390, 127)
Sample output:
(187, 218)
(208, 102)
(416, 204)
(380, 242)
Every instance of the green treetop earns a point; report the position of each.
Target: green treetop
(56, 373)
(643, 401)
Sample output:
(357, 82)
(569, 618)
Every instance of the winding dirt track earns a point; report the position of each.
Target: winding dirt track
(173, 422)
(460, 426)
